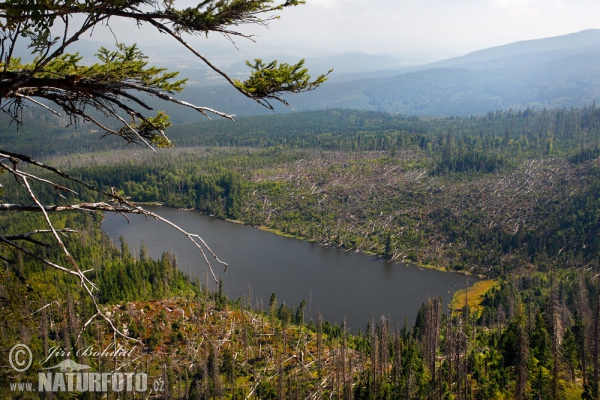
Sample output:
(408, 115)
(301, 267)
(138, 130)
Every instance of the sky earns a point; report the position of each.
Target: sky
(430, 26)
(432, 29)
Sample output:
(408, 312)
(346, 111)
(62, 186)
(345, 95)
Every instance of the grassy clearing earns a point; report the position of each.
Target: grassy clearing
(475, 296)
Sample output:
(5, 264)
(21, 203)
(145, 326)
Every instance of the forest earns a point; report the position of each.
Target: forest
(488, 195)
(512, 195)
(533, 335)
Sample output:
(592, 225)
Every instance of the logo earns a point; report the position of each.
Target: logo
(69, 366)
(20, 357)
(70, 376)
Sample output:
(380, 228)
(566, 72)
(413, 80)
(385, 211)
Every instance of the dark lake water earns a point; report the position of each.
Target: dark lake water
(336, 283)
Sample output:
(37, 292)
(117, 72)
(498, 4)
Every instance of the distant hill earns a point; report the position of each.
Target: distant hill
(562, 71)
(525, 52)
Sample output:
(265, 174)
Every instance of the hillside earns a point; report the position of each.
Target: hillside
(484, 194)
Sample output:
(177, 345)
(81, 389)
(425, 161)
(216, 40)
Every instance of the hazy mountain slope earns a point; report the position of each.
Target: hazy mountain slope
(562, 71)
(525, 52)
(571, 81)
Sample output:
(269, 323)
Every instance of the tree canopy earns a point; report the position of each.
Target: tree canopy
(115, 83)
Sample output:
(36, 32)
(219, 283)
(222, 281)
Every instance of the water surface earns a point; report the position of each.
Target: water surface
(338, 284)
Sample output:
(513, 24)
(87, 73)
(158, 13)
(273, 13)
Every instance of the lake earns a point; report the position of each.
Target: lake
(337, 283)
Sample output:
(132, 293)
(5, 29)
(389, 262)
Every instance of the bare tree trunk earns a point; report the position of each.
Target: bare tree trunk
(596, 333)
(457, 351)
(319, 346)
(450, 350)
(397, 367)
(343, 359)
(374, 354)
(522, 370)
(349, 395)
(465, 339)
(45, 332)
(582, 309)
(280, 381)
(556, 336)
(383, 347)
(433, 319)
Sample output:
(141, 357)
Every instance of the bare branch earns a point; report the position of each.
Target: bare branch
(164, 28)
(71, 207)
(39, 104)
(136, 133)
(46, 306)
(29, 160)
(120, 209)
(25, 174)
(43, 260)
(27, 236)
(70, 259)
(166, 97)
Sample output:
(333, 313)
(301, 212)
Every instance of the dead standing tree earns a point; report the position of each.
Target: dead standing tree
(431, 336)
(114, 87)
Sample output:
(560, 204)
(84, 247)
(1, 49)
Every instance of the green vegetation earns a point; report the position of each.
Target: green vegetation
(532, 336)
(512, 195)
(473, 297)
(185, 334)
(230, 349)
(487, 195)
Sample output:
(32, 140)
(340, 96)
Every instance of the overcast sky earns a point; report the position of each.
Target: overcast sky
(432, 28)
(459, 26)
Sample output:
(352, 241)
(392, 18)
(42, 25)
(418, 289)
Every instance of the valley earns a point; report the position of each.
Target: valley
(481, 171)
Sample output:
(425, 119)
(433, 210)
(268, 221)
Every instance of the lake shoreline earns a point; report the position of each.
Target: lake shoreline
(278, 232)
(336, 283)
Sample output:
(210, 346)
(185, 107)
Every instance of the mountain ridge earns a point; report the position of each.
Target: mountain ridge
(562, 71)
(588, 38)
